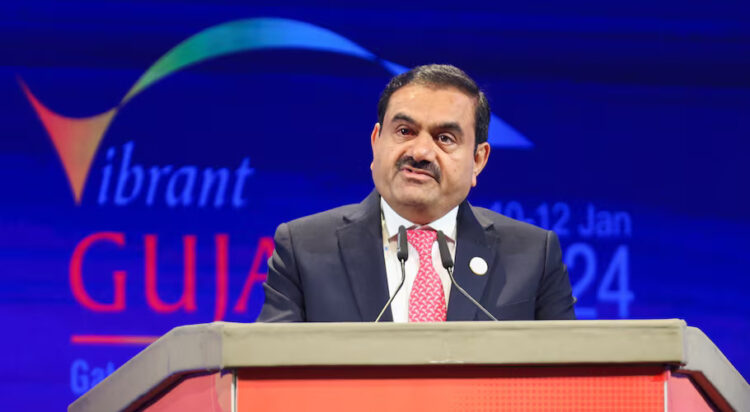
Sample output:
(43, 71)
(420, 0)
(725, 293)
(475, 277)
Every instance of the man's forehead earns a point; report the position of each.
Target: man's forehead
(415, 100)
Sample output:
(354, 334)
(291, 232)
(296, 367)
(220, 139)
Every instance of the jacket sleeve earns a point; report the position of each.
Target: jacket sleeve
(284, 300)
(555, 296)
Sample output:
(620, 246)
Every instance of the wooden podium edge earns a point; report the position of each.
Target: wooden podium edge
(156, 368)
(714, 373)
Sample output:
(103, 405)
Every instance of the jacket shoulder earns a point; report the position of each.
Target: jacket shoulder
(322, 221)
(509, 226)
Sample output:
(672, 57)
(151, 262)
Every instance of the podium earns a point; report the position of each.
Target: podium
(622, 365)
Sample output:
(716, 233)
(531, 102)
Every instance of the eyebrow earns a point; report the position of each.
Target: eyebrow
(401, 116)
(453, 127)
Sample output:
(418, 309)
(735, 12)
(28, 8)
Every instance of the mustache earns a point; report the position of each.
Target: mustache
(430, 167)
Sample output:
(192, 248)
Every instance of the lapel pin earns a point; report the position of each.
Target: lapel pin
(478, 266)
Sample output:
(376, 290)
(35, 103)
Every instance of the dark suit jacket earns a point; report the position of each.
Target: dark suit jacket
(329, 267)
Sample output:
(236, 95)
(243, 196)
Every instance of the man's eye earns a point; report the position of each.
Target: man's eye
(445, 139)
(404, 131)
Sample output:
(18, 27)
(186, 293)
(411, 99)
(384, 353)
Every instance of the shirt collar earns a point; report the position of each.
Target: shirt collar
(447, 223)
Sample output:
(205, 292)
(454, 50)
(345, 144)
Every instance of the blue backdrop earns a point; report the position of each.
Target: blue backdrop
(149, 150)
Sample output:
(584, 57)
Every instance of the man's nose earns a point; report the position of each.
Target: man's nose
(422, 147)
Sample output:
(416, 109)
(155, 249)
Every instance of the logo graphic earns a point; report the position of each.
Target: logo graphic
(77, 140)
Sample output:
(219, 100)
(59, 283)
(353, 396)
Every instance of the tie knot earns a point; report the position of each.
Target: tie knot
(422, 240)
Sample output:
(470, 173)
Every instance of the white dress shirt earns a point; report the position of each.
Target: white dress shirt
(392, 221)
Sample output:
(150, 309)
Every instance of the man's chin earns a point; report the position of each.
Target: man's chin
(415, 200)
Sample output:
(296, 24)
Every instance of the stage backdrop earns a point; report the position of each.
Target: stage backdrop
(150, 149)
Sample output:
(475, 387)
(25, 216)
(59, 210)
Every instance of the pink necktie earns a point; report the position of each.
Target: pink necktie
(427, 299)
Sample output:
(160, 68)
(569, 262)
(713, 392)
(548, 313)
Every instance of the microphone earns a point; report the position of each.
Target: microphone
(402, 253)
(445, 257)
(403, 245)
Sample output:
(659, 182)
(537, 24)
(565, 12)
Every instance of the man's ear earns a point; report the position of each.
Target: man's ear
(373, 138)
(375, 133)
(481, 155)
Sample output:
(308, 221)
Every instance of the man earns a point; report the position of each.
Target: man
(429, 145)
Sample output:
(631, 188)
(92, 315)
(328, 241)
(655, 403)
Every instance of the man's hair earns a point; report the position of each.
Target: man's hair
(442, 75)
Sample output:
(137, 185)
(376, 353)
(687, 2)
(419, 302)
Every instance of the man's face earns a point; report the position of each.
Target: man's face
(424, 161)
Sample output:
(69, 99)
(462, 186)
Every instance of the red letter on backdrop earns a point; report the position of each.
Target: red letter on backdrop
(262, 253)
(222, 274)
(188, 293)
(76, 274)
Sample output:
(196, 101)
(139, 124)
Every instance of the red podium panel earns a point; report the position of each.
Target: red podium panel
(464, 388)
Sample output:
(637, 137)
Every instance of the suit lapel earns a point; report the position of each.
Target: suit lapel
(361, 247)
(475, 238)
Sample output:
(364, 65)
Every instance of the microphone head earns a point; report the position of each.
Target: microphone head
(402, 252)
(445, 254)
